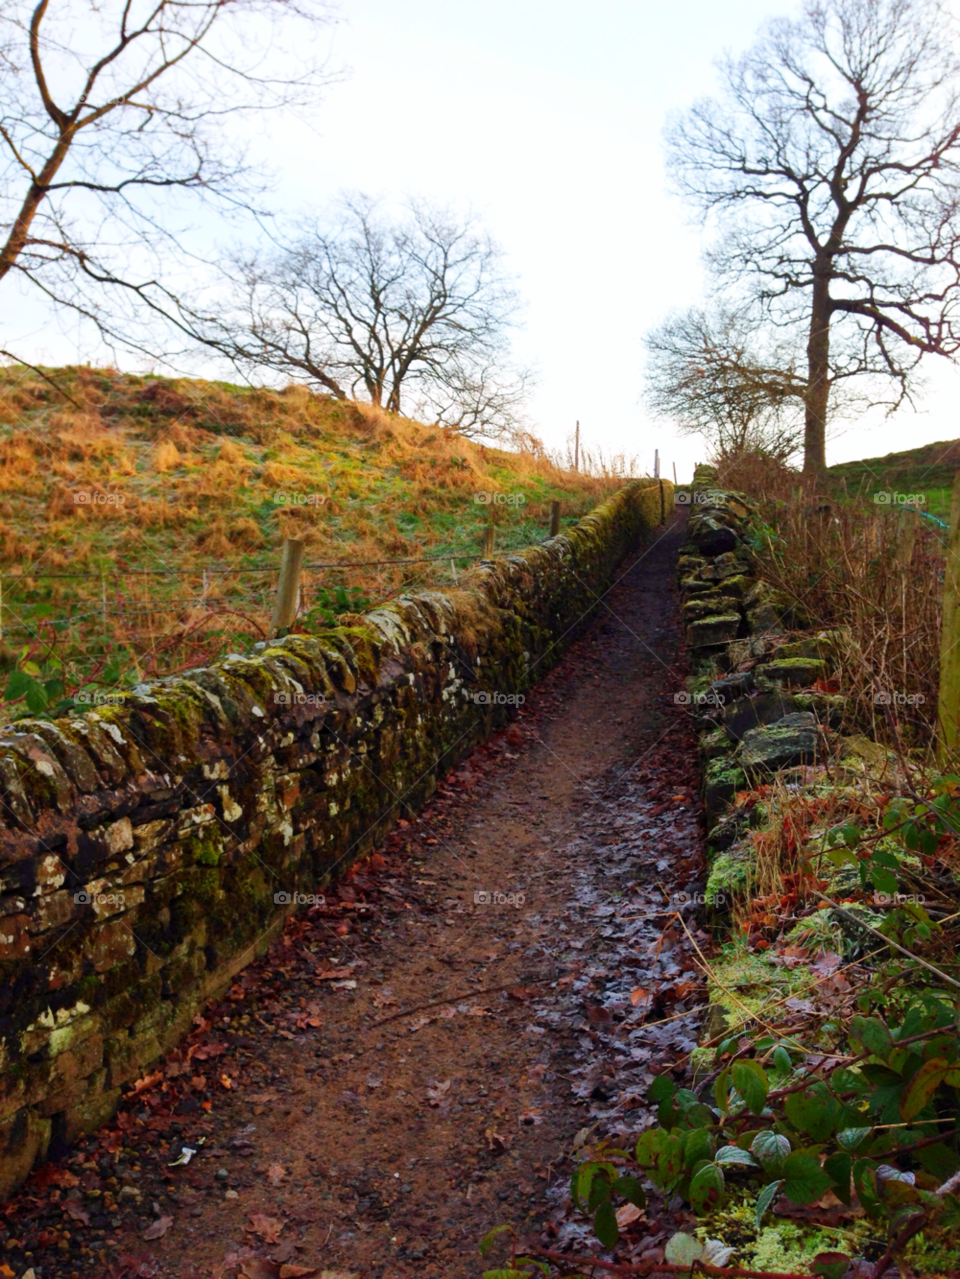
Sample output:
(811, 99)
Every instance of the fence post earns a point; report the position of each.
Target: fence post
(663, 505)
(487, 551)
(906, 535)
(288, 588)
(554, 518)
(948, 707)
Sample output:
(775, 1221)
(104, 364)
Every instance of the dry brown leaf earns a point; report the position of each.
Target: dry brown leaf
(159, 1228)
(259, 1268)
(276, 1174)
(268, 1228)
(437, 1092)
(628, 1214)
(75, 1209)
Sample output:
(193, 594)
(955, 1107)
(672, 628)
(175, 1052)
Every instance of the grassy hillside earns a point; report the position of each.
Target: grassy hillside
(134, 512)
(928, 470)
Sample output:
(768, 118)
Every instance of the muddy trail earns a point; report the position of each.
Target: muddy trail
(415, 1059)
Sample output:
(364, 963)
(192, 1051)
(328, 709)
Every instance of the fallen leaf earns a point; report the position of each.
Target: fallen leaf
(159, 1228)
(74, 1208)
(268, 1228)
(259, 1268)
(276, 1174)
(495, 1141)
(261, 1098)
(628, 1214)
(639, 996)
(437, 1092)
(291, 1271)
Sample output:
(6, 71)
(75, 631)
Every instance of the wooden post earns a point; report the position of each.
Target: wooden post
(906, 536)
(656, 464)
(674, 474)
(288, 588)
(487, 552)
(948, 708)
(576, 448)
(554, 518)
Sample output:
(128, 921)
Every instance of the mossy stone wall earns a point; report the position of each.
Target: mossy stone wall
(146, 847)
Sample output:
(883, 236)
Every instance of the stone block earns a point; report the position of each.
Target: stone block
(765, 750)
(708, 631)
(24, 1139)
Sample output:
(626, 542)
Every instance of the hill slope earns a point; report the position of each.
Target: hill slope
(135, 511)
(928, 469)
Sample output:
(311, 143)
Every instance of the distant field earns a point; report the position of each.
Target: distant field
(135, 511)
(927, 471)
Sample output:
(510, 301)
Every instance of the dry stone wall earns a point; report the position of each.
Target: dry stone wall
(151, 848)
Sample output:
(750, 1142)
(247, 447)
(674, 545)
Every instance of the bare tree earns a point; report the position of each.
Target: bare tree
(706, 374)
(411, 313)
(111, 112)
(830, 166)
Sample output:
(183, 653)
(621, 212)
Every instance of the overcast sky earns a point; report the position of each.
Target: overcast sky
(546, 118)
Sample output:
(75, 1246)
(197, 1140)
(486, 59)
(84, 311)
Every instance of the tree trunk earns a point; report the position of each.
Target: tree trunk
(818, 377)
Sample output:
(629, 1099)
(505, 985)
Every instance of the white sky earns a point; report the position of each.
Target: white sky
(546, 119)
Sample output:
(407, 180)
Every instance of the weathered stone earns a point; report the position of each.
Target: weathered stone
(764, 750)
(707, 606)
(791, 672)
(708, 631)
(754, 712)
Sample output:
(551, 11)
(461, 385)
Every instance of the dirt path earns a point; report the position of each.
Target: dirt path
(520, 921)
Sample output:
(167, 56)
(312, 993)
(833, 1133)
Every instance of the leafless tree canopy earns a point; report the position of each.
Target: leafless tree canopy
(830, 169)
(112, 113)
(704, 371)
(412, 314)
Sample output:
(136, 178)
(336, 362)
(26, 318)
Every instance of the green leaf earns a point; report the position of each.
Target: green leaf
(839, 1168)
(922, 1087)
(529, 1261)
(632, 1190)
(706, 1189)
(939, 1160)
(865, 1184)
(17, 685)
(721, 1090)
(488, 1240)
(781, 1059)
(509, 1273)
(851, 835)
(882, 857)
(771, 1148)
(605, 1224)
(851, 1138)
(874, 1036)
(683, 1250)
(36, 697)
(813, 1111)
(804, 1181)
(662, 1089)
(750, 1081)
(32, 668)
(697, 1144)
(884, 881)
(765, 1199)
(731, 1155)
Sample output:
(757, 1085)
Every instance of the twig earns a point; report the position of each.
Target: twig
(896, 945)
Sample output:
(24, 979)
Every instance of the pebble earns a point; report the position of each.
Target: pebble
(231, 1194)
